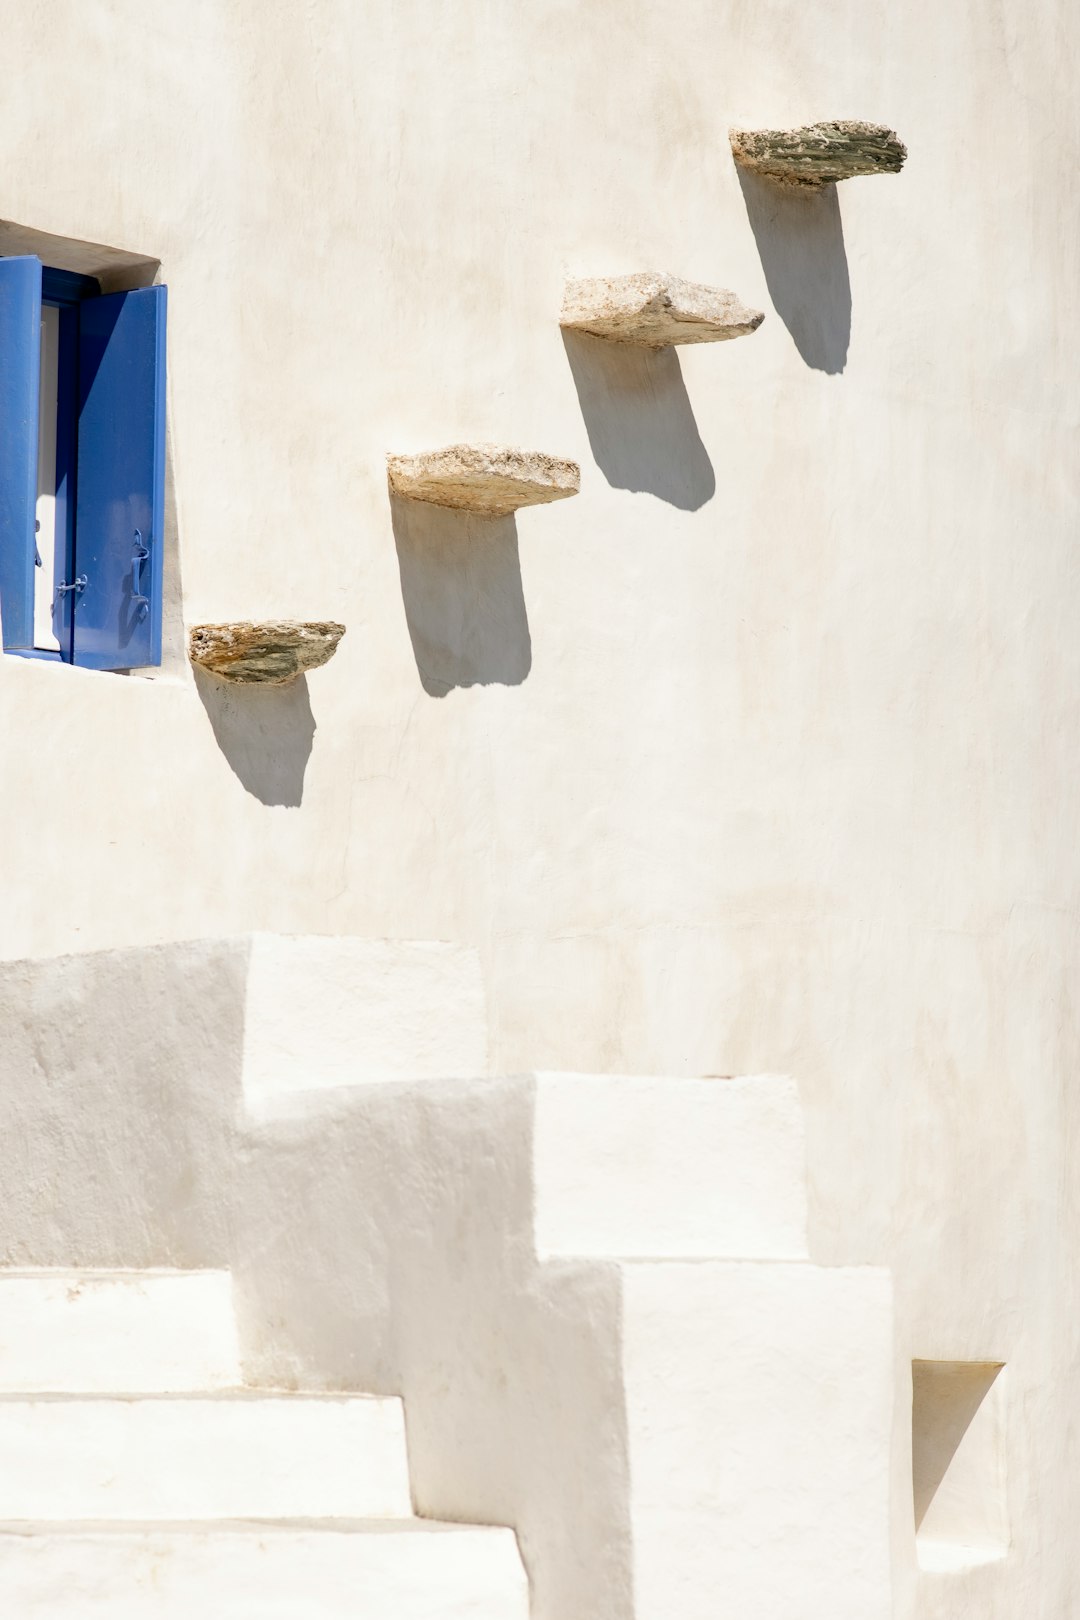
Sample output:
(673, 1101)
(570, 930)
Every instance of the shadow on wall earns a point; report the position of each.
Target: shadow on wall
(265, 733)
(800, 241)
(173, 639)
(464, 604)
(639, 419)
(511, 1370)
(948, 1409)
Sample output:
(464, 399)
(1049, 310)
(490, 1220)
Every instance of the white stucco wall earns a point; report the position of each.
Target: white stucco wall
(775, 764)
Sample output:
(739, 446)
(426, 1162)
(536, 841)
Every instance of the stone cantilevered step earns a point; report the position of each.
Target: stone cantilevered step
(819, 154)
(483, 478)
(239, 1455)
(270, 653)
(655, 310)
(418, 1570)
(91, 1332)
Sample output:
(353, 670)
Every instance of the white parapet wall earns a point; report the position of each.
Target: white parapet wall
(120, 1090)
(123, 1075)
(329, 1012)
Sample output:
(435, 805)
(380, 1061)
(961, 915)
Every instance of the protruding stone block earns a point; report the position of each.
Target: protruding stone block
(819, 154)
(655, 310)
(269, 654)
(483, 478)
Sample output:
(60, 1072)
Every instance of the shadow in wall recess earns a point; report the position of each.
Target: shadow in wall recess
(464, 603)
(958, 1462)
(800, 241)
(265, 733)
(641, 425)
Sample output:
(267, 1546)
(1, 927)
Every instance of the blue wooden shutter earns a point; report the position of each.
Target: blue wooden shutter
(120, 496)
(20, 367)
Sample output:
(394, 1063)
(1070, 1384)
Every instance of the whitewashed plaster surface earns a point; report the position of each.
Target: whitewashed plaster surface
(652, 1427)
(186, 1491)
(402, 1238)
(775, 766)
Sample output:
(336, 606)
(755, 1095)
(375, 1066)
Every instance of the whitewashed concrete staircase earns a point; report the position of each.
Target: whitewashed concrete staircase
(757, 1386)
(595, 1294)
(607, 1326)
(138, 1478)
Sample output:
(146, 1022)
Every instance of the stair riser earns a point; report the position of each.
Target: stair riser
(759, 1420)
(181, 1459)
(98, 1332)
(278, 1575)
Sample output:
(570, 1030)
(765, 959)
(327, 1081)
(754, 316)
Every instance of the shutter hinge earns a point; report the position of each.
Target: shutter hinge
(140, 603)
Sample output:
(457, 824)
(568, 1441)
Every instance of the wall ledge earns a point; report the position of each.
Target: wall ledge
(655, 310)
(270, 652)
(819, 154)
(485, 478)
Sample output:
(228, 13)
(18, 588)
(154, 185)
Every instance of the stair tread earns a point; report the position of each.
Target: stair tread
(252, 1569)
(108, 1273)
(208, 1397)
(244, 1526)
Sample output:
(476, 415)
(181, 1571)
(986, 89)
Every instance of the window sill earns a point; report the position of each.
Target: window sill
(953, 1557)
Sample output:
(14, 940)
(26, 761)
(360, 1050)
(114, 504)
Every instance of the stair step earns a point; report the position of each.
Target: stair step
(759, 1424)
(240, 1455)
(87, 1332)
(297, 1570)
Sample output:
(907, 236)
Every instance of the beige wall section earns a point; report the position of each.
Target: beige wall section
(786, 779)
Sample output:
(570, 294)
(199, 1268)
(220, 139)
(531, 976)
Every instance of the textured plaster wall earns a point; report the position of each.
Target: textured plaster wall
(650, 1428)
(775, 766)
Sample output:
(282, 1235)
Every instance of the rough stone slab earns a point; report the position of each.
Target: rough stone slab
(269, 654)
(483, 478)
(819, 154)
(655, 310)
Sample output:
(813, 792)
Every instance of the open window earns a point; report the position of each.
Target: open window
(82, 467)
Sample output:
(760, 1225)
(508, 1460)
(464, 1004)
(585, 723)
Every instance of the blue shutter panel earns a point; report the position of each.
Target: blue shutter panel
(20, 364)
(120, 496)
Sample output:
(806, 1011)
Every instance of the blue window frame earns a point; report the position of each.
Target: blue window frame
(82, 468)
